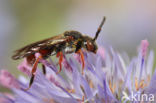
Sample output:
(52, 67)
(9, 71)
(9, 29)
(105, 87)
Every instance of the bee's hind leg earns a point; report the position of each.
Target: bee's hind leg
(34, 68)
(60, 55)
(43, 69)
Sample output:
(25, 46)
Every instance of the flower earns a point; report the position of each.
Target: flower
(109, 77)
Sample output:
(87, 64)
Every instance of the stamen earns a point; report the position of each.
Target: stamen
(148, 79)
(47, 100)
(136, 84)
(91, 84)
(112, 87)
(81, 100)
(142, 84)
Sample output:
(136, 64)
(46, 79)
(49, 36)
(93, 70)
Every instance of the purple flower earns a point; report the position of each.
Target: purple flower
(109, 77)
(8, 80)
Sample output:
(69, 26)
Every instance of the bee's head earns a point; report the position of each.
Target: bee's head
(90, 43)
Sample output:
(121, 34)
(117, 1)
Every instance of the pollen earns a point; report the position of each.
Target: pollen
(82, 100)
(46, 100)
(112, 87)
(71, 90)
(142, 83)
(91, 85)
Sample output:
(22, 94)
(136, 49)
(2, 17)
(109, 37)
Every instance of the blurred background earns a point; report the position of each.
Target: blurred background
(25, 21)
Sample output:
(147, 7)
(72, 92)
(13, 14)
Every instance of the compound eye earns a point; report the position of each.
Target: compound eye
(90, 46)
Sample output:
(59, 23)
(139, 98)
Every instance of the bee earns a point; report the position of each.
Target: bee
(65, 43)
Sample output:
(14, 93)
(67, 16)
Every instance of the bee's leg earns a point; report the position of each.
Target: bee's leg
(78, 46)
(82, 59)
(78, 51)
(33, 71)
(44, 69)
(60, 55)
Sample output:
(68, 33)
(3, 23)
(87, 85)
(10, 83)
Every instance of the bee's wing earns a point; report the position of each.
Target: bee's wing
(35, 47)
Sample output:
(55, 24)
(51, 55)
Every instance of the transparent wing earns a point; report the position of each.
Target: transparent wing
(35, 47)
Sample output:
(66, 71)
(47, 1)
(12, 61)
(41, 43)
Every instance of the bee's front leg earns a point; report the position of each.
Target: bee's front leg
(82, 59)
(79, 51)
(78, 46)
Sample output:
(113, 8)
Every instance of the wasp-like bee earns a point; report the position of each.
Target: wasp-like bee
(68, 42)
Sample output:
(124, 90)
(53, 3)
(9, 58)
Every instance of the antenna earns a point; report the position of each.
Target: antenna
(99, 29)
